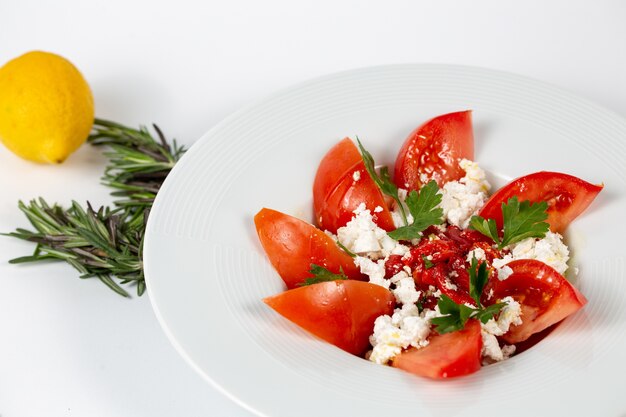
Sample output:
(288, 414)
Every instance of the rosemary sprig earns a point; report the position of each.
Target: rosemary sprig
(138, 164)
(107, 242)
(97, 243)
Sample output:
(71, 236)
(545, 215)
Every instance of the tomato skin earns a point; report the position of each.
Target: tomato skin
(339, 312)
(339, 160)
(292, 245)
(336, 194)
(567, 197)
(446, 356)
(433, 151)
(545, 296)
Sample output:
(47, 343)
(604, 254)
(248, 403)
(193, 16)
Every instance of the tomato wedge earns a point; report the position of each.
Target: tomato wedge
(339, 160)
(340, 312)
(339, 188)
(545, 296)
(446, 356)
(433, 151)
(567, 197)
(292, 245)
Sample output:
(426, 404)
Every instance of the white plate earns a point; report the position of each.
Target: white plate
(207, 273)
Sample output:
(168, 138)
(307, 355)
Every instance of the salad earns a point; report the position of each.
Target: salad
(424, 270)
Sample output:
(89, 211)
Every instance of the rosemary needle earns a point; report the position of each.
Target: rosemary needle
(106, 243)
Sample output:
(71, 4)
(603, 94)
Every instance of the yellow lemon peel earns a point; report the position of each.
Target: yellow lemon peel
(46, 107)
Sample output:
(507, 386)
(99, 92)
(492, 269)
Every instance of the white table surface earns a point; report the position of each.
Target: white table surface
(70, 347)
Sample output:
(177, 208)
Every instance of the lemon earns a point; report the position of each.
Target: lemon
(46, 107)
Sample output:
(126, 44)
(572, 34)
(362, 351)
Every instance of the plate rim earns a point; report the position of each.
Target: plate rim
(267, 98)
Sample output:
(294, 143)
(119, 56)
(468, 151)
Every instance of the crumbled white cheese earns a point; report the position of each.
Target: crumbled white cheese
(504, 272)
(463, 198)
(404, 291)
(378, 209)
(356, 175)
(509, 315)
(375, 270)
(550, 250)
(433, 291)
(407, 327)
(477, 253)
(450, 285)
(501, 262)
(363, 237)
(508, 351)
(491, 347)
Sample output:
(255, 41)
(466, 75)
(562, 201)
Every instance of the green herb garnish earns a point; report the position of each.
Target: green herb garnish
(520, 221)
(346, 250)
(423, 206)
(382, 179)
(106, 243)
(321, 274)
(478, 278)
(455, 316)
(427, 262)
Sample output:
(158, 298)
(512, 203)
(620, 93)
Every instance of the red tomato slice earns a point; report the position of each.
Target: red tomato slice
(446, 356)
(567, 197)
(545, 296)
(292, 245)
(336, 192)
(339, 206)
(339, 160)
(433, 151)
(340, 312)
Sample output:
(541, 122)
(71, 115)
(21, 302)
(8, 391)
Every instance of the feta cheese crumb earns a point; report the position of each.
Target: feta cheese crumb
(509, 315)
(404, 291)
(450, 285)
(375, 270)
(550, 250)
(407, 327)
(504, 272)
(508, 351)
(356, 175)
(501, 262)
(363, 237)
(463, 198)
(477, 253)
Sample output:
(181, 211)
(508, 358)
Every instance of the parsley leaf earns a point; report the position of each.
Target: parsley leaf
(478, 277)
(455, 316)
(346, 250)
(486, 227)
(382, 180)
(520, 221)
(427, 262)
(321, 274)
(423, 206)
(523, 220)
(487, 313)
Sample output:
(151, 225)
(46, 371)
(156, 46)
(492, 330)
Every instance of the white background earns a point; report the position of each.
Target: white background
(70, 347)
